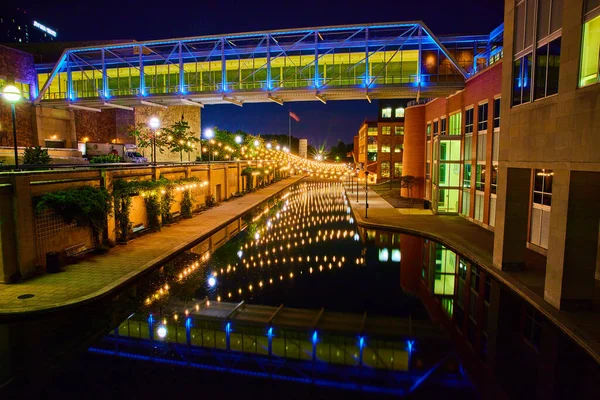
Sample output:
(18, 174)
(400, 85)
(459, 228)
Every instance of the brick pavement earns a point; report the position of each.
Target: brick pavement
(99, 274)
(477, 244)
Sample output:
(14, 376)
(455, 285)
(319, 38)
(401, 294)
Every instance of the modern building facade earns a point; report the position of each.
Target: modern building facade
(549, 160)
(379, 143)
(451, 145)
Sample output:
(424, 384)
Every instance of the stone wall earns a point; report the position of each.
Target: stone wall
(168, 117)
(105, 126)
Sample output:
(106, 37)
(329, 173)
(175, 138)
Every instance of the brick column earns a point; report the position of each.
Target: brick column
(413, 158)
(24, 224)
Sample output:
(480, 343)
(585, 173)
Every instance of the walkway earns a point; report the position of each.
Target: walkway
(98, 275)
(477, 244)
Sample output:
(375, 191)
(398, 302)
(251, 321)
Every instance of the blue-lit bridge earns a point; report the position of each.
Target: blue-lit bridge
(392, 60)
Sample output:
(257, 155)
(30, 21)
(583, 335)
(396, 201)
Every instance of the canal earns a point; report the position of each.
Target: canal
(295, 297)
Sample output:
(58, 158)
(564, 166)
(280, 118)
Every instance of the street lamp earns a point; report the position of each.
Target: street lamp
(366, 194)
(209, 134)
(154, 125)
(256, 143)
(238, 139)
(12, 95)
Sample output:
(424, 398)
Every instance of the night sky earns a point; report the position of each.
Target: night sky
(141, 20)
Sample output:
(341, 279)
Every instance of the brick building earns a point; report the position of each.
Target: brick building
(378, 147)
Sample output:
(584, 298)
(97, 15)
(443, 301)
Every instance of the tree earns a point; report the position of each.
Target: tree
(180, 138)
(144, 136)
(407, 182)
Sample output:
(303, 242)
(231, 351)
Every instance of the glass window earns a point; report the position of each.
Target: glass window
(385, 169)
(385, 148)
(428, 131)
(435, 127)
(400, 112)
(466, 202)
(542, 188)
(522, 80)
(455, 123)
(449, 174)
(480, 177)
(494, 182)
(482, 117)
(397, 170)
(481, 147)
(386, 130)
(495, 146)
(590, 52)
(532, 328)
(467, 149)
(400, 130)
(467, 176)
(469, 120)
(372, 131)
(443, 127)
(497, 113)
(450, 150)
(372, 144)
(547, 66)
(398, 148)
(386, 112)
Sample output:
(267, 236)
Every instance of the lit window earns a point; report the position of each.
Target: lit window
(399, 130)
(590, 49)
(385, 169)
(398, 148)
(385, 148)
(428, 130)
(386, 130)
(455, 122)
(372, 131)
(480, 178)
(542, 189)
(400, 112)
(386, 112)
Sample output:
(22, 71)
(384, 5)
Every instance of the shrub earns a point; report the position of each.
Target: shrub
(36, 156)
(186, 204)
(209, 200)
(166, 201)
(153, 211)
(86, 206)
(107, 159)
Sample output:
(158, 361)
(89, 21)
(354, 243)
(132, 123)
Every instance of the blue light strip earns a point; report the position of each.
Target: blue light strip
(264, 375)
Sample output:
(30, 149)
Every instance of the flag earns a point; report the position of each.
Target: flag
(293, 115)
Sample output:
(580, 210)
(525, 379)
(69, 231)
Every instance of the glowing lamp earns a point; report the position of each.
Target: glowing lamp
(209, 133)
(238, 139)
(154, 123)
(256, 143)
(162, 331)
(212, 281)
(11, 93)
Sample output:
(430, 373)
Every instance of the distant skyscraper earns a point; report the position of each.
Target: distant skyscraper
(17, 26)
(303, 148)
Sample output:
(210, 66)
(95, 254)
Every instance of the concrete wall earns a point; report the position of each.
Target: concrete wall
(26, 236)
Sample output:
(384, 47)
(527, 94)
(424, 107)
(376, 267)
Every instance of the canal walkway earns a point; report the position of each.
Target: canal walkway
(477, 244)
(99, 275)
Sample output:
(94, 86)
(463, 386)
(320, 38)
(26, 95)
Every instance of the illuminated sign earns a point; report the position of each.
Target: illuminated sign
(44, 28)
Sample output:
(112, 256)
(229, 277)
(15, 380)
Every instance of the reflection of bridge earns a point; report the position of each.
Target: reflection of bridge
(329, 63)
(358, 347)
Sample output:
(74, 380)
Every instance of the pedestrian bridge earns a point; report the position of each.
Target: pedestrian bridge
(391, 60)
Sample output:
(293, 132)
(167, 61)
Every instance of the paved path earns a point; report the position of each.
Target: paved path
(477, 244)
(100, 274)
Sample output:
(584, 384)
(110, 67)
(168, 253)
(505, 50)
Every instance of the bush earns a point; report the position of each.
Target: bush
(186, 204)
(86, 206)
(209, 200)
(153, 210)
(36, 156)
(107, 159)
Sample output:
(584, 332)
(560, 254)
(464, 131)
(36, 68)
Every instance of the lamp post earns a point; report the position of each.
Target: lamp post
(154, 125)
(366, 194)
(12, 94)
(209, 134)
